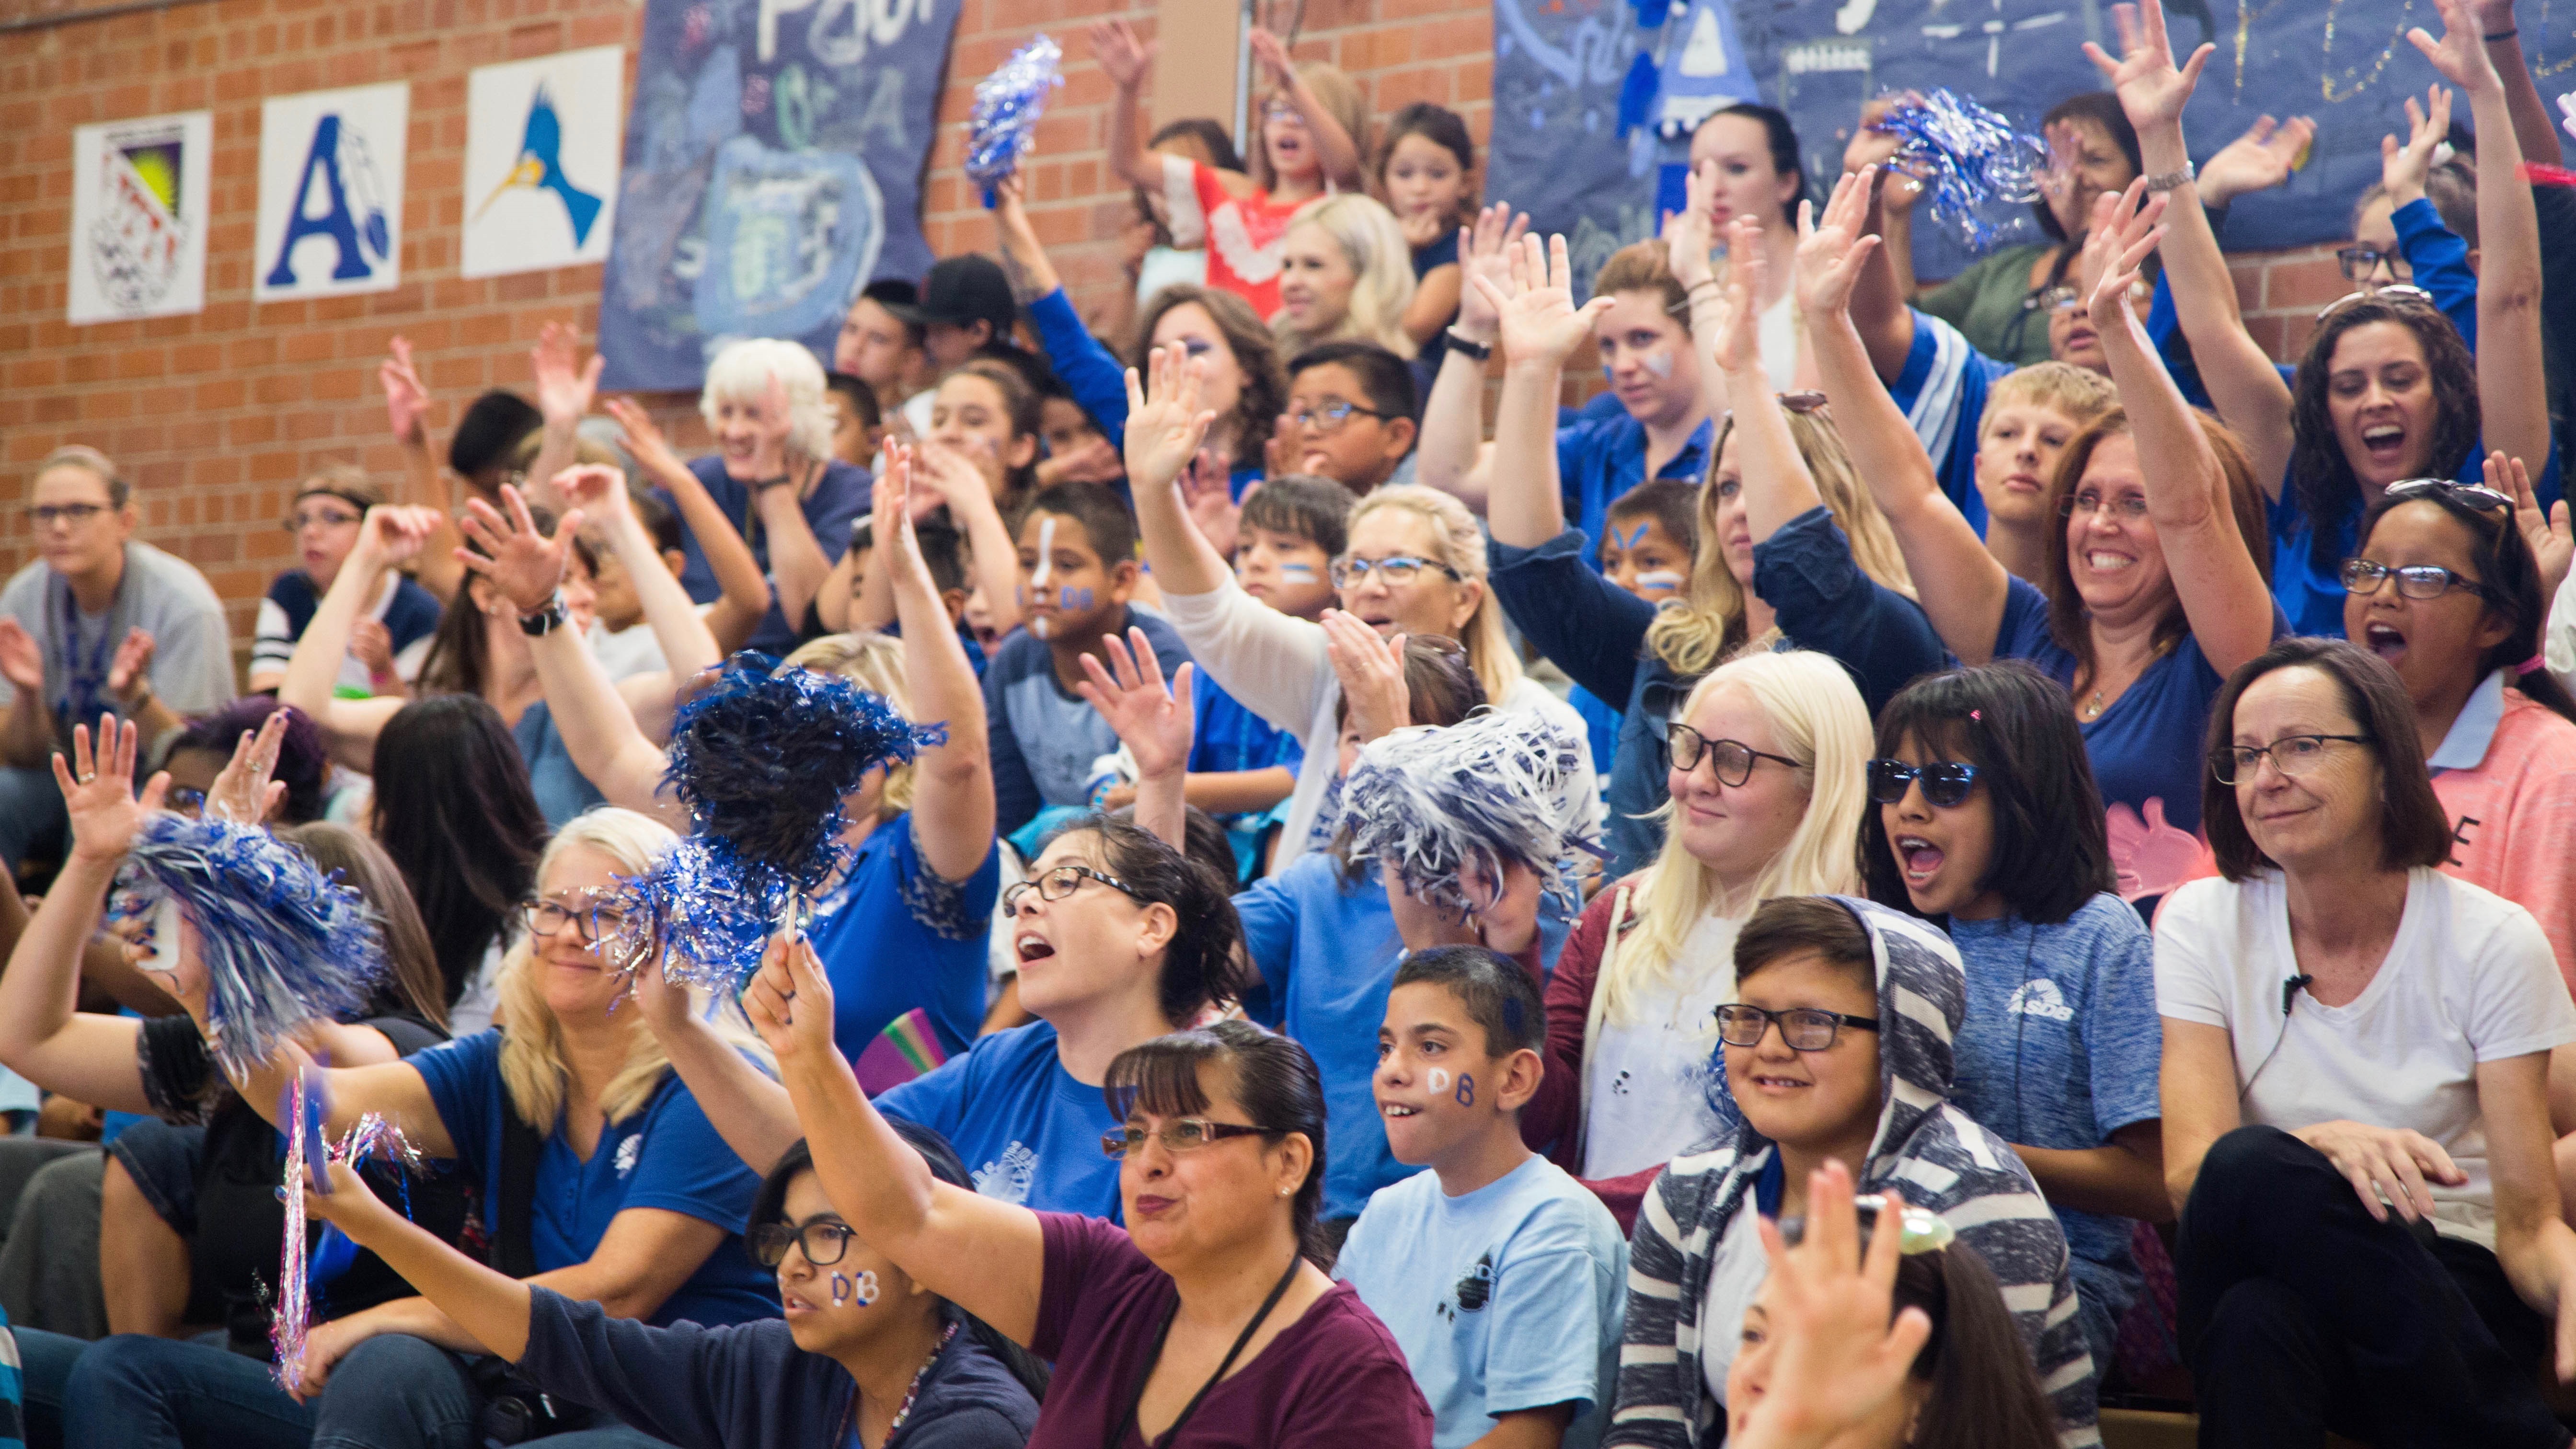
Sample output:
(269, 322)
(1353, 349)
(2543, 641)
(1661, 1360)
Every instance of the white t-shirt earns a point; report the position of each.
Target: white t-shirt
(1646, 1080)
(2470, 978)
(1735, 1274)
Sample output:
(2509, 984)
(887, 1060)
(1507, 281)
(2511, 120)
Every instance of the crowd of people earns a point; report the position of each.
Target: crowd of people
(1410, 929)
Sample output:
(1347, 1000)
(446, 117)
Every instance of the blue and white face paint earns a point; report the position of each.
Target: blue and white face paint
(1659, 581)
(861, 1290)
(1046, 569)
(164, 959)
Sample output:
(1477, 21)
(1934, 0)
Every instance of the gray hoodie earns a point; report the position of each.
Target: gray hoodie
(1925, 1148)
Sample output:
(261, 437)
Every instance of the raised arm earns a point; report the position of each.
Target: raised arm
(1777, 485)
(2513, 388)
(1164, 428)
(2251, 397)
(1887, 282)
(744, 601)
(1687, 239)
(564, 389)
(993, 560)
(797, 563)
(2223, 594)
(1961, 586)
(1156, 724)
(1541, 327)
(688, 647)
(1337, 150)
(390, 533)
(953, 809)
(2533, 129)
(407, 409)
(1126, 59)
(1451, 454)
(985, 1256)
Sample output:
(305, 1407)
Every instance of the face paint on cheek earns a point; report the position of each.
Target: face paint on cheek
(1038, 625)
(861, 1290)
(1659, 581)
(1466, 1094)
(1301, 573)
(1437, 1080)
(165, 940)
(1073, 600)
(1660, 363)
(1046, 553)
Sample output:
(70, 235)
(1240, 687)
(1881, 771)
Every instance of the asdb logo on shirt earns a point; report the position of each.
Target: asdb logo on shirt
(1009, 1177)
(2039, 997)
(627, 1153)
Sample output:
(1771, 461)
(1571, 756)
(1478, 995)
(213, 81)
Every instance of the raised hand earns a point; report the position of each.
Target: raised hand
(1837, 1353)
(1207, 492)
(564, 388)
(129, 674)
(22, 659)
(1485, 249)
(98, 791)
(597, 489)
(372, 644)
(946, 476)
(2152, 90)
(1371, 670)
(1737, 343)
(1872, 144)
(1832, 248)
(643, 437)
(390, 534)
(777, 424)
(522, 562)
(898, 548)
(2461, 54)
(2125, 229)
(1120, 53)
(1686, 232)
(2403, 168)
(1423, 227)
(1156, 723)
(789, 1001)
(243, 793)
(1093, 460)
(1165, 423)
(2547, 533)
(1540, 324)
(1272, 53)
(406, 399)
(2259, 160)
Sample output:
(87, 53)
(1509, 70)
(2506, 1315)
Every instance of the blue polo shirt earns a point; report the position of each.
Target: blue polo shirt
(1600, 455)
(895, 936)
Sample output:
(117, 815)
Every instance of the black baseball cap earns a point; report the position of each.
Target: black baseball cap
(959, 290)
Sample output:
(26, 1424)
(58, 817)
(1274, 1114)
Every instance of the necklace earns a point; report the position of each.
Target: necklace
(903, 1410)
(2093, 706)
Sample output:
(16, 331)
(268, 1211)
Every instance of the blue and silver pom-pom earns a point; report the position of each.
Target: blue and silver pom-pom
(1488, 792)
(1968, 157)
(1007, 106)
(283, 942)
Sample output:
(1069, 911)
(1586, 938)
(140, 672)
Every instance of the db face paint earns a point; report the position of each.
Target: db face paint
(1466, 1094)
(1437, 1080)
(861, 1290)
(1073, 601)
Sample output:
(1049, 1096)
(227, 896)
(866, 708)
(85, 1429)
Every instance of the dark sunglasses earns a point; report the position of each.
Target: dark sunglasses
(1944, 784)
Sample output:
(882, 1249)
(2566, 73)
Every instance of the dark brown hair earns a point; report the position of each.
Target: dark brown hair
(2413, 828)
(1787, 926)
(2510, 577)
(2102, 109)
(2327, 488)
(1200, 964)
(1274, 1081)
(412, 985)
(1264, 394)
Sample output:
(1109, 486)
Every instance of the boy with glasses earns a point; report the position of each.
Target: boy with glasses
(392, 637)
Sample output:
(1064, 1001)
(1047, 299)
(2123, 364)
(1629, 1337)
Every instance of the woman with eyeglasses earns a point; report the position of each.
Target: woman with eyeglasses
(1766, 796)
(2356, 1088)
(1987, 823)
(1837, 1041)
(865, 1355)
(1414, 564)
(1206, 1320)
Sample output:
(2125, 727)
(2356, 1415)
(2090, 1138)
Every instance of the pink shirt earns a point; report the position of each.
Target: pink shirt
(2506, 775)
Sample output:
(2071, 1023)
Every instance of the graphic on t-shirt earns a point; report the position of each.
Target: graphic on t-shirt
(2149, 856)
(1472, 1292)
(1619, 1083)
(1009, 1177)
(2039, 997)
(627, 1153)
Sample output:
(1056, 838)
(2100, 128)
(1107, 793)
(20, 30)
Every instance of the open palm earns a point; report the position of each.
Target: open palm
(2151, 89)
(1540, 323)
(1156, 723)
(1831, 248)
(1164, 420)
(98, 790)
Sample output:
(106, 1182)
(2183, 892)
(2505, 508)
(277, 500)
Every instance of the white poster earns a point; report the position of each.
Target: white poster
(138, 238)
(331, 193)
(541, 153)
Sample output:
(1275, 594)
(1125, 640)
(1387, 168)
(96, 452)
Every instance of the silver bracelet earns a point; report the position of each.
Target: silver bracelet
(2168, 180)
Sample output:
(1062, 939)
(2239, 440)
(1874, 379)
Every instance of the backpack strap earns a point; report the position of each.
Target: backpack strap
(509, 1215)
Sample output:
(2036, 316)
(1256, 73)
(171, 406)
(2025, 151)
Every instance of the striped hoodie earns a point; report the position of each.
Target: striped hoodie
(1925, 1148)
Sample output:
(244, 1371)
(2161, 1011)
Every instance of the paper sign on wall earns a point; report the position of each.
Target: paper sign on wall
(139, 191)
(330, 193)
(541, 156)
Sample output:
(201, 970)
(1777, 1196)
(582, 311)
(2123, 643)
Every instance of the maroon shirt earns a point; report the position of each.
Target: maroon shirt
(1333, 1379)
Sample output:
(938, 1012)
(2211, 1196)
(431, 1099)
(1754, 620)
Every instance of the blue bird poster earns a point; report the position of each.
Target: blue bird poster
(774, 162)
(541, 161)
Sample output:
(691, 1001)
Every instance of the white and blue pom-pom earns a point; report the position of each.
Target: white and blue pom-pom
(1967, 156)
(283, 943)
(1489, 791)
(1007, 106)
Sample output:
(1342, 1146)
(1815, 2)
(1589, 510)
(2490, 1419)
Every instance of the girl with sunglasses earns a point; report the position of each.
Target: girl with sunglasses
(1837, 1040)
(2445, 587)
(1988, 824)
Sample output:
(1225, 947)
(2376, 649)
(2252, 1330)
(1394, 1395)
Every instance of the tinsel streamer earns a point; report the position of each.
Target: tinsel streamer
(1967, 156)
(1007, 106)
(282, 942)
(1427, 802)
(763, 761)
(289, 1319)
(303, 1107)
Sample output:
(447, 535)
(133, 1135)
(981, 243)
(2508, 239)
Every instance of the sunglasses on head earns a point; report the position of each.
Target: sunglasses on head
(1944, 784)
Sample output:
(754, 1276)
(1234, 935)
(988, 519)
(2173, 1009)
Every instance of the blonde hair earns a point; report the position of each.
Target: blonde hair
(1342, 100)
(2080, 394)
(1706, 624)
(533, 1069)
(1817, 712)
(1373, 243)
(1460, 544)
(874, 662)
(741, 373)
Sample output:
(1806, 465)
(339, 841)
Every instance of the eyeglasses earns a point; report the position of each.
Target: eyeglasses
(1181, 1134)
(1060, 881)
(2363, 577)
(1328, 417)
(72, 515)
(2125, 507)
(1944, 784)
(2395, 292)
(320, 518)
(822, 1242)
(595, 924)
(1803, 1028)
(1730, 760)
(1394, 572)
(2474, 495)
(2360, 262)
(2292, 755)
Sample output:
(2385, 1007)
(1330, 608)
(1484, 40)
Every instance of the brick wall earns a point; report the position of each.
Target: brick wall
(218, 414)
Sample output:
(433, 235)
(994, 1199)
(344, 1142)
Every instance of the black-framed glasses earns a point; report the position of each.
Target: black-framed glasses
(1328, 417)
(2395, 292)
(1394, 572)
(822, 1241)
(1804, 1028)
(2292, 755)
(1056, 882)
(2126, 507)
(2475, 495)
(1181, 1134)
(2359, 262)
(594, 923)
(1730, 760)
(1944, 783)
(2364, 576)
(45, 515)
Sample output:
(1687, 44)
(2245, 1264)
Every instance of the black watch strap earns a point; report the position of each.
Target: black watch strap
(545, 620)
(1481, 351)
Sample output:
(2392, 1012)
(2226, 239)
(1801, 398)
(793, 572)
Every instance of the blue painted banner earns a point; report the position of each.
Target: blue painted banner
(774, 158)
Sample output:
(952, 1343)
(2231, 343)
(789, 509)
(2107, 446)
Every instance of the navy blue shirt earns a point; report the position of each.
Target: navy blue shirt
(896, 937)
(843, 495)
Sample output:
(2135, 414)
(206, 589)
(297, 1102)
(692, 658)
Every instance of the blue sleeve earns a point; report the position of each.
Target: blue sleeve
(2164, 328)
(1097, 382)
(1593, 629)
(2439, 260)
(2123, 1037)
(847, 495)
(1269, 918)
(1805, 572)
(1545, 1306)
(686, 1168)
(464, 1080)
(2023, 630)
(936, 1099)
(686, 1384)
(954, 910)
(1015, 791)
(1941, 389)
(1573, 445)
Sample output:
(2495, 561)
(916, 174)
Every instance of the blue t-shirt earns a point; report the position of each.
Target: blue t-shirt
(2312, 598)
(1231, 738)
(2061, 1048)
(1028, 1132)
(664, 1155)
(562, 790)
(1942, 392)
(895, 936)
(1598, 458)
(844, 494)
(1494, 1294)
(1044, 737)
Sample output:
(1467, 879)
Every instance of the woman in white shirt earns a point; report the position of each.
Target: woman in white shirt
(2355, 1084)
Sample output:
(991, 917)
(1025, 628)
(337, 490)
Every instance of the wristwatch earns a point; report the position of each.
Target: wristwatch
(2168, 180)
(1461, 342)
(545, 620)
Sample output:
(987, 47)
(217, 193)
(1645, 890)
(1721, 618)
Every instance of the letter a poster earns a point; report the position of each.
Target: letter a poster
(139, 194)
(330, 193)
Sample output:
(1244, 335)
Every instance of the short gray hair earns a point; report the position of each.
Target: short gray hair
(741, 373)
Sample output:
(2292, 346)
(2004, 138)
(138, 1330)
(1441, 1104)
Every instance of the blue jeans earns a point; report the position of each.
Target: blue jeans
(45, 1363)
(31, 814)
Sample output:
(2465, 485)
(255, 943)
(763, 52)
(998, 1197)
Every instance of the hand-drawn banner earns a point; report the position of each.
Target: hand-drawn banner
(139, 208)
(774, 157)
(1567, 72)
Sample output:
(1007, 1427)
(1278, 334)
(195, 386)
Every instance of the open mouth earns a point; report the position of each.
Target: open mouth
(1922, 858)
(2103, 561)
(1398, 1109)
(2384, 641)
(1032, 947)
(2384, 441)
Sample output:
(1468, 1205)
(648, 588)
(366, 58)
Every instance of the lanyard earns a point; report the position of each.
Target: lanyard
(81, 686)
(1137, 1398)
